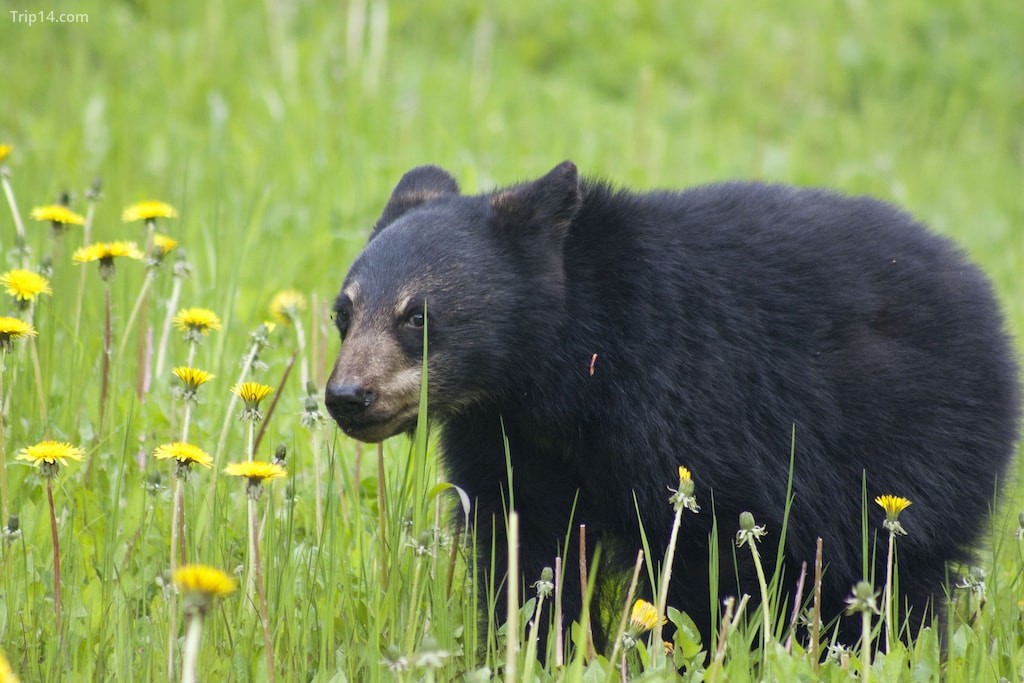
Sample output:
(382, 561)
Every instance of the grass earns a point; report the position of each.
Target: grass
(277, 130)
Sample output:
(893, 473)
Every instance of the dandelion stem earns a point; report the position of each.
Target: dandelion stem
(192, 640)
(658, 652)
(887, 622)
(531, 643)
(107, 347)
(766, 628)
(56, 555)
(257, 572)
(865, 625)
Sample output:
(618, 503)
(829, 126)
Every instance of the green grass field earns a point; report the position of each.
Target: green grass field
(277, 129)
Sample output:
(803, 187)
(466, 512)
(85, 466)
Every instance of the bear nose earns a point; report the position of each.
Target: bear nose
(347, 400)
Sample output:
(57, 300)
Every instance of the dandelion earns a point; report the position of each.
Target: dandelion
(544, 586)
(105, 253)
(864, 600)
(185, 454)
(162, 246)
(749, 534)
(200, 585)
(682, 499)
(683, 496)
(4, 151)
(643, 617)
(59, 216)
(48, 456)
(196, 323)
(204, 583)
(24, 286)
(286, 306)
(191, 380)
(148, 210)
(256, 473)
(893, 506)
(252, 393)
(13, 329)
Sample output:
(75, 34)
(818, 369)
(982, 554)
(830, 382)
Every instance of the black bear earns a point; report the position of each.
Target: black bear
(611, 336)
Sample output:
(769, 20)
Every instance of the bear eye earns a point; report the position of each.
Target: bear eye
(341, 320)
(415, 319)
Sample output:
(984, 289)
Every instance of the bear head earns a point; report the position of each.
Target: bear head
(481, 277)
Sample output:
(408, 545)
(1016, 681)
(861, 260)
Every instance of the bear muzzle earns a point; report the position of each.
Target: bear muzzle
(347, 400)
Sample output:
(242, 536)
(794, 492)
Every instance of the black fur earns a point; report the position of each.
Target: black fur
(721, 317)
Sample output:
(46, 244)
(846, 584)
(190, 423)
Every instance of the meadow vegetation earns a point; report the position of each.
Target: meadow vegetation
(276, 131)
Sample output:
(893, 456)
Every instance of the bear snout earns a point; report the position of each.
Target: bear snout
(346, 401)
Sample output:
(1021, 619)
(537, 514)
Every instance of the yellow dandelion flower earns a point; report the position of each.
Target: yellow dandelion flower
(205, 581)
(255, 471)
(7, 674)
(4, 151)
(683, 496)
(12, 329)
(184, 453)
(58, 214)
(252, 392)
(163, 245)
(196, 320)
(192, 378)
(106, 251)
(643, 617)
(50, 453)
(25, 285)
(148, 210)
(893, 505)
(286, 306)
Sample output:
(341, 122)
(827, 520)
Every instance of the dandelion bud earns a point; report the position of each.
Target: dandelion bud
(280, 454)
(13, 524)
(746, 521)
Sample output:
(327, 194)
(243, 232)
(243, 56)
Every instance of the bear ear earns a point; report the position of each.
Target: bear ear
(419, 185)
(550, 203)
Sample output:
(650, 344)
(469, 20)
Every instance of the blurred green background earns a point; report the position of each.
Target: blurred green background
(287, 123)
